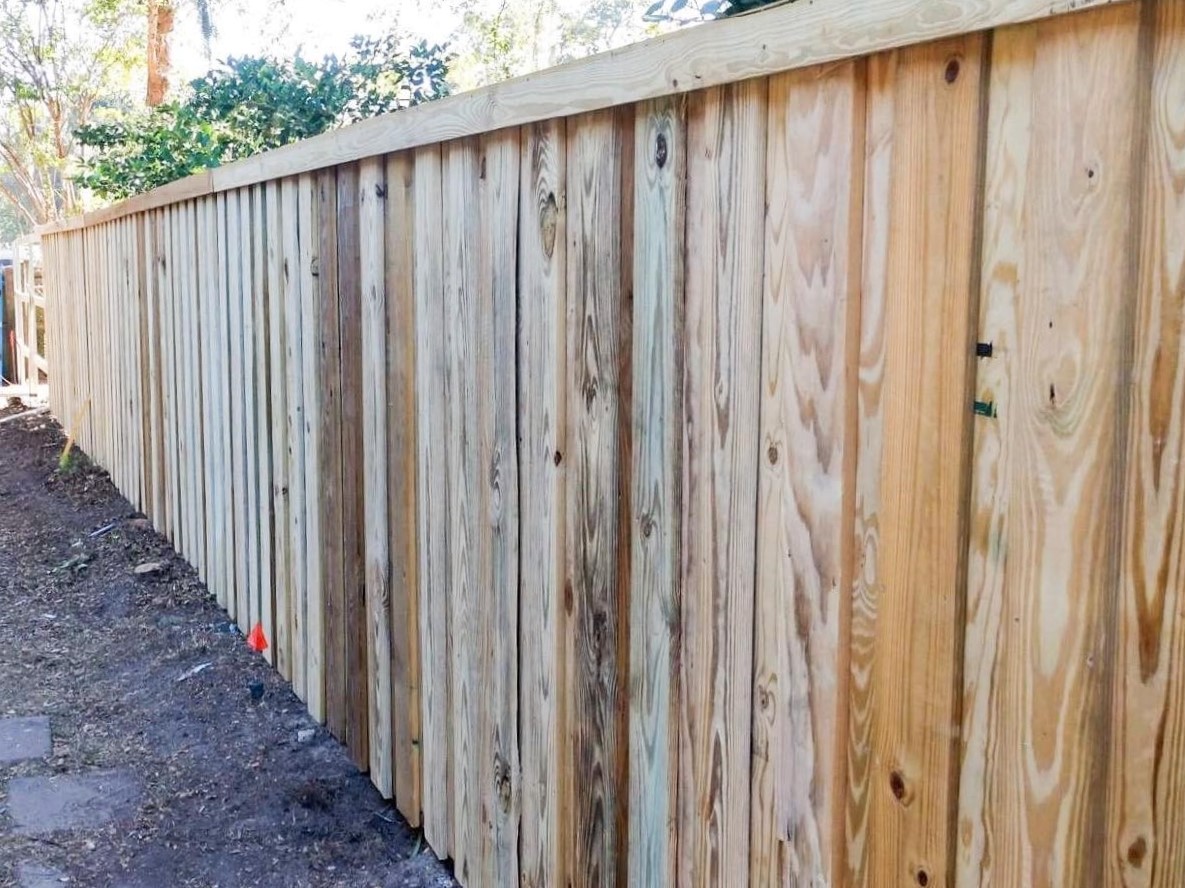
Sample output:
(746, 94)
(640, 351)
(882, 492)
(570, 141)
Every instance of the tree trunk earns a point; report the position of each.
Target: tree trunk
(160, 26)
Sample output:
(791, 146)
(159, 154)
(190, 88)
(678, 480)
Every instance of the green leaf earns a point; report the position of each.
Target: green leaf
(652, 13)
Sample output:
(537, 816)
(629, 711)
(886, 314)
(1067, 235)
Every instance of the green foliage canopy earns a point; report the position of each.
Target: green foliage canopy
(254, 104)
(702, 10)
(61, 63)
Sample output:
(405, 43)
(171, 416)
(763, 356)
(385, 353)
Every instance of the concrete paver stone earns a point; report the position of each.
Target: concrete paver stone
(34, 875)
(24, 738)
(43, 805)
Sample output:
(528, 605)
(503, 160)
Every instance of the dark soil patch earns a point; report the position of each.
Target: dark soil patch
(230, 795)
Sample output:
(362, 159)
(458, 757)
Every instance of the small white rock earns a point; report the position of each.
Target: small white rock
(304, 735)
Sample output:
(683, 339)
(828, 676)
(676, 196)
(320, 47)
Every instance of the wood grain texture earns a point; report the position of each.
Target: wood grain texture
(459, 186)
(722, 379)
(251, 613)
(236, 299)
(197, 553)
(373, 359)
(433, 502)
(915, 420)
(139, 362)
(222, 328)
(197, 422)
(328, 425)
(810, 355)
(294, 338)
(353, 536)
(1045, 546)
(659, 198)
(136, 359)
(498, 497)
(1006, 174)
(212, 405)
(1146, 826)
(542, 349)
(280, 630)
(203, 560)
(227, 428)
(622, 501)
(595, 791)
(313, 399)
(262, 441)
(402, 466)
(177, 275)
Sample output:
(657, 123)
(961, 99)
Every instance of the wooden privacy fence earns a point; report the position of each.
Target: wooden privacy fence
(754, 456)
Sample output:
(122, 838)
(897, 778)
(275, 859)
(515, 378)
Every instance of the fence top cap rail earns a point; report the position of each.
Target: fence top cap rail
(768, 41)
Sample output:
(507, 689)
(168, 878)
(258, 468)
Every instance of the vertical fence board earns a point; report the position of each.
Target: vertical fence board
(294, 339)
(597, 555)
(725, 193)
(279, 631)
(197, 424)
(183, 281)
(169, 272)
(433, 505)
(910, 528)
(255, 444)
(136, 376)
(1043, 603)
(809, 354)
(210, 404)
(225, 427)
(372, 194)
(239, 597)
(542, 424)
(659, 197)
(313, 386)
(353, 537)
(131, 326)
(116, 360)
(159, 308)
(495, 388)
(1006, 169)
(262, 444)
(215, 332)
(459, 190)
(1146, 838)
(400, 420)
(328, 420)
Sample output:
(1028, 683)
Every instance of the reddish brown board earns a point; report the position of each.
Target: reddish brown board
(349, 291)
(330, 469)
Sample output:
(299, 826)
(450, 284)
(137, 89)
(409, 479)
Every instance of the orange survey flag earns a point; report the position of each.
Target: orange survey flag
(257, 641)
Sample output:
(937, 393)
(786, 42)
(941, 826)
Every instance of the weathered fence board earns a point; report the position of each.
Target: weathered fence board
(660, 182)
(402, 465)
(726, 144)
(1149, 712)
(542, 425)
(596, 550)
(807, 456)
(765, 469)
(432, 511)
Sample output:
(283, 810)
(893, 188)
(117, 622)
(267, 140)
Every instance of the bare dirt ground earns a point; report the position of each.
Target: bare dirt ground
(228, 794)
